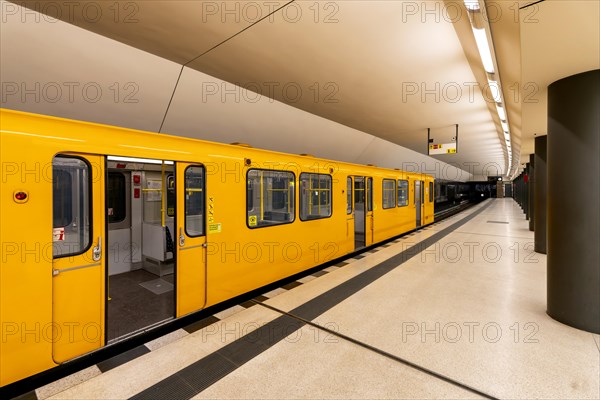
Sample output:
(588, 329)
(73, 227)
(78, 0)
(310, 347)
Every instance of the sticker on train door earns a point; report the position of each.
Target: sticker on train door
(252, 220)
(58, 234)
(214, 228)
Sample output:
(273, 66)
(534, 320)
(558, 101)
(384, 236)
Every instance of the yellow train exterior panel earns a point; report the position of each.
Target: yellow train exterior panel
(230, 257)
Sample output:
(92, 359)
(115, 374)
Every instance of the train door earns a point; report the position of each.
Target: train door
(140, 266)
(118, 198)
(419, 202)
(191, 237)
(359, 212)
(369, 216)
(78, 251)
(350, 210)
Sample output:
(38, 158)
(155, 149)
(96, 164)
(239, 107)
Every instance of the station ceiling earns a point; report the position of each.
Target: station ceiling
(392, 69)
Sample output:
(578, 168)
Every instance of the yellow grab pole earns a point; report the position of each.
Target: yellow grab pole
(163, 197)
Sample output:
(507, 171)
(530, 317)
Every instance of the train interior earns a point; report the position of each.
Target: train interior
(359, 212)
(140, 209)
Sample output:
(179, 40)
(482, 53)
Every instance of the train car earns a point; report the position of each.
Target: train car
(109, 232)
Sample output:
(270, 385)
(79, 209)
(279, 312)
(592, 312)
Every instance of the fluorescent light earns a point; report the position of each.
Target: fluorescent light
(504, 126)
(484, 49)
(495, 89)
(501, 112)
(138, 160)
(472, 5)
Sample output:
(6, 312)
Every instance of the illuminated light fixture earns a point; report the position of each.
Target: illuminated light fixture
(472, 5)
(495, 89)
(138, 160)
(481, 28)
(484, 49)
(501, 112)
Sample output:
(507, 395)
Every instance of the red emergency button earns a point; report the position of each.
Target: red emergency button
(21, 197)
(137, 179)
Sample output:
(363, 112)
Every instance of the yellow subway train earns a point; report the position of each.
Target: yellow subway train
(107, 232)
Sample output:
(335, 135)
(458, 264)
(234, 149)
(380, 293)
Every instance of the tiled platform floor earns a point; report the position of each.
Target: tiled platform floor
(455, 310)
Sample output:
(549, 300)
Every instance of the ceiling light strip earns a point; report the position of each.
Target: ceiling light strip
(485, 46)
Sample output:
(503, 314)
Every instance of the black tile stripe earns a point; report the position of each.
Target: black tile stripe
(203, 323)
(292, 285)
(210, 369)
(260, 299)
(319, 273)
(27, 396)
(198, 376)
(123, 358)
(386, 354)
(248, 304)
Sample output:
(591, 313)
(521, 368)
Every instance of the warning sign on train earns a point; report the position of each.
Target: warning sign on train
(252, 220)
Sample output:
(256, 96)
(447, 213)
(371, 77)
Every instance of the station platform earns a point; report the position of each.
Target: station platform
(454, 310)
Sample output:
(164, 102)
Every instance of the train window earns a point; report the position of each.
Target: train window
(402, 193)
(116, 197)
(369, 194)
(431, 192)
(194, 201)
(270, 198)
(349, 195)
(71, 201)
(171, 196)
(62, 197)
(315, 196)
(389, 193)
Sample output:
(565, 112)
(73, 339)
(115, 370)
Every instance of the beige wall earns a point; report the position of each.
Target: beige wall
(52, 67)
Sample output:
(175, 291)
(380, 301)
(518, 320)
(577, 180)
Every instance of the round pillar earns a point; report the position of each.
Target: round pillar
(573, 157)
(540, 195)
(530, 191)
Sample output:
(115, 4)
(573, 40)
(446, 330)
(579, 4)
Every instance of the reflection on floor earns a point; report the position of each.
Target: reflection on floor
(138, 299)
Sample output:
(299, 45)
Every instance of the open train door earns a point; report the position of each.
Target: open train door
(350, 234)
(369, 217)
(78, 255)
(191, 238)
(419, 203)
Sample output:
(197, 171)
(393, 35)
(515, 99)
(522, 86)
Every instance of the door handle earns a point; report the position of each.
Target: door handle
(97, 251)
(181, 238)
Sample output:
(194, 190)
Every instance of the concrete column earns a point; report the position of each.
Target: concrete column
(539, 195)
(518, 190)
(573, 157)
(526, 191)
(530, 185)
(531, 192)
